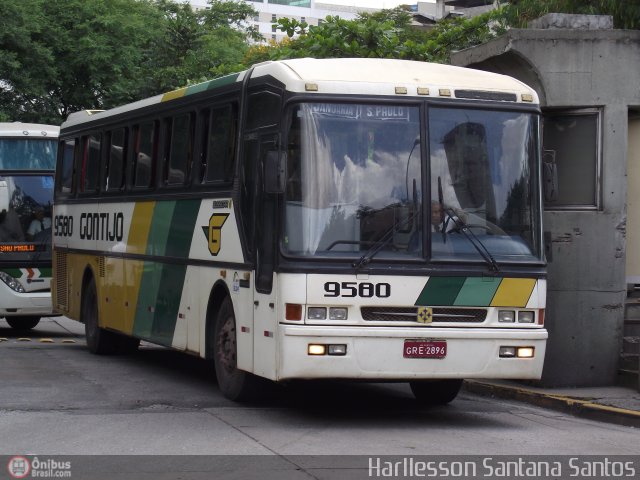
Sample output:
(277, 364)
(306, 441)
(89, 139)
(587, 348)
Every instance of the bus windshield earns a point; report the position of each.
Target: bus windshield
(27, 154)
(25, 215)
(483, 180)
(355, 181)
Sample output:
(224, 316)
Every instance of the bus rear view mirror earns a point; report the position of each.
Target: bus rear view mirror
(275, 167)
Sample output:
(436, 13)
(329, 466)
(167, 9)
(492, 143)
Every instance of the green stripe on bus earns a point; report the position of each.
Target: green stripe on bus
(160, 227)
(46, 272)
(161, 284)
(147, 297)
(440, 291)
(14, 272)
(477, 291)
(183, 224)
(171, 283)
(172, 277)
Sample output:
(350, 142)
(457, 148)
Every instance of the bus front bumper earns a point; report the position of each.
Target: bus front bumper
(378, 353)
(14, 304)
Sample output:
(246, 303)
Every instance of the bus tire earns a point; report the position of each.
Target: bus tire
(234, 384)
(128, 345)
(99, 340)
(26, 322)
(436, 392)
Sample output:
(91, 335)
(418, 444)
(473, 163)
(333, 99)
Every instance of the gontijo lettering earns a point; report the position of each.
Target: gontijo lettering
(102, 226)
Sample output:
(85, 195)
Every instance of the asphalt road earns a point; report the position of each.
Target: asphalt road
(58, 399)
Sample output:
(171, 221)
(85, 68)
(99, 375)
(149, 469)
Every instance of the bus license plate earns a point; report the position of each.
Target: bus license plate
(425, 348)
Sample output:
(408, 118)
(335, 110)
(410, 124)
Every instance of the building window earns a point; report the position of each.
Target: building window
(571, 159)
(273, 17)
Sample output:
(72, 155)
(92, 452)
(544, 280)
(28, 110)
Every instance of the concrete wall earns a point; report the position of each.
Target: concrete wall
(587, 289)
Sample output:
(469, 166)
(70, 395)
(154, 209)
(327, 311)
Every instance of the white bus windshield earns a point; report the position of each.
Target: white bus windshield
(27, 154)
(25, 214)
(483, 178)
(355, 181)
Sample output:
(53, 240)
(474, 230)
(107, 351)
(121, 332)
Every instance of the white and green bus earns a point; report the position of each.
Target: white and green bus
(27, 163)
(362, 219)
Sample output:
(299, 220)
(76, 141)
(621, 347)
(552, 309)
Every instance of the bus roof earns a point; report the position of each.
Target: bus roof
(364, 76)
(31, 130)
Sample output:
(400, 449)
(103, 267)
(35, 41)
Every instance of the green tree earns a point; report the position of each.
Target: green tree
(389, 34)
(61, 56)
(195, 46)
(71, 55)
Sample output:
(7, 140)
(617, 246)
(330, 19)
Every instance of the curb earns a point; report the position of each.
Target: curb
(579, 407)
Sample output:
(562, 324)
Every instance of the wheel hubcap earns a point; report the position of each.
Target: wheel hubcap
(227, 345)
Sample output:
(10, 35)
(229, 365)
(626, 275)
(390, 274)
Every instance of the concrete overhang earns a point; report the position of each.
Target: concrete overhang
(507, 54)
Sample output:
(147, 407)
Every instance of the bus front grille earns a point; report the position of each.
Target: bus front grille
(410, 314)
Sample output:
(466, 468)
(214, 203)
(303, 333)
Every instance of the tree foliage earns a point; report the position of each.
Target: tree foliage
(61, 56)
(389, 33)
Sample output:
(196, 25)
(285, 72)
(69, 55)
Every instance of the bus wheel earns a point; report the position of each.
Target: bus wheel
(128, 345)
(233, 383)
(99, 341)
(435, 392)
(26, 322)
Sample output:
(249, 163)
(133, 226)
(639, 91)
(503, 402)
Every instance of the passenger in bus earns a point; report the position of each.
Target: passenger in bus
(39, 224)
(10, 229)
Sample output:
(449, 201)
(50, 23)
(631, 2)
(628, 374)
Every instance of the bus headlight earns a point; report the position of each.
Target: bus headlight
(506, 316)
(317, 313)
(526, 317)
(338, 313)
(11, 282)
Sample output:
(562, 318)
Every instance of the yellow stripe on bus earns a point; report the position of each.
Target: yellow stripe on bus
(513, 292)
(140, 226)
(133, 269)
(174, 94)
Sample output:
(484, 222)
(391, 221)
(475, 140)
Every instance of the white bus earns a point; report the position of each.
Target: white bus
(343, 218)
(27, 163)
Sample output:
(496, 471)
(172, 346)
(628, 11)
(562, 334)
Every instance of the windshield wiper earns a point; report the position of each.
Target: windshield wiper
(382, 242)
(473, 239)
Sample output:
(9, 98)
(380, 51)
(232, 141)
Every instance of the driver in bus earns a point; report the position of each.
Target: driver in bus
(38, 224)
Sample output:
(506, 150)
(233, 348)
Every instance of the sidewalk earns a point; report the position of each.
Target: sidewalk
(614, 404)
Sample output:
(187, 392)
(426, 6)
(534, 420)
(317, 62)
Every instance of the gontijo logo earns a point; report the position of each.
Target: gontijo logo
(214, 231)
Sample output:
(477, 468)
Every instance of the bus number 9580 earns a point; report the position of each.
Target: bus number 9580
(62, 226)
(355, 289)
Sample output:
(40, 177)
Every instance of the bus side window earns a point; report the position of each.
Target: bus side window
(65, 175)
(90, 163)
(263, 110)
(144, 154)
(218, 146)
(114, 178)
(179, 148)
